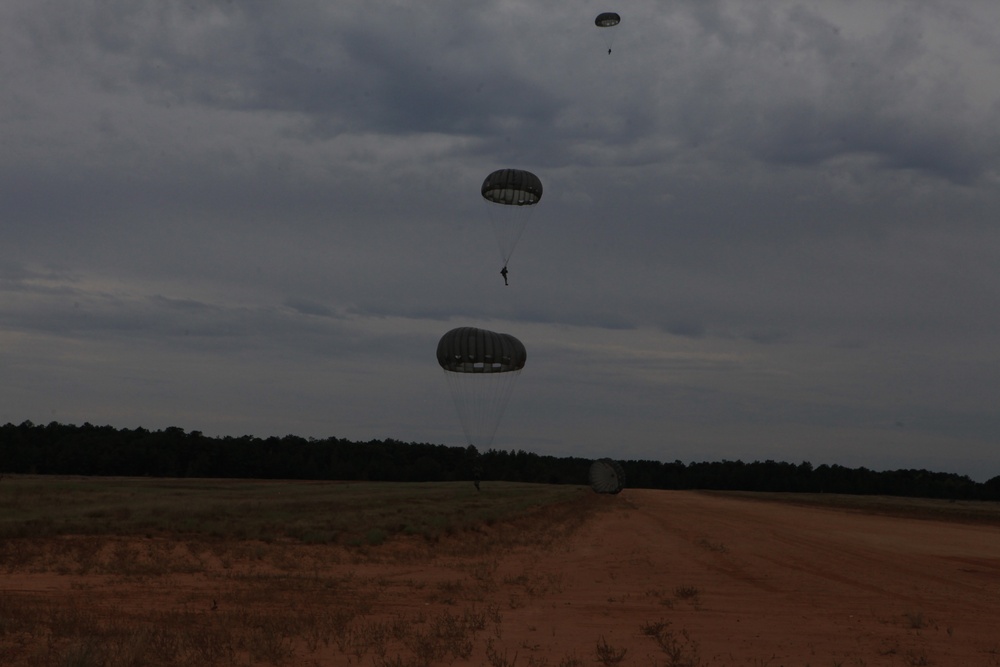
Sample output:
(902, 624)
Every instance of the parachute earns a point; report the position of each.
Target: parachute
(607, 476)
(608, 20)
(480, 367)
(510, 195)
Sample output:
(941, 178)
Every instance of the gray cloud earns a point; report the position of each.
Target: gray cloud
(767, 231)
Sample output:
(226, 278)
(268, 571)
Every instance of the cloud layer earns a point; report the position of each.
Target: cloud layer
(767, 231)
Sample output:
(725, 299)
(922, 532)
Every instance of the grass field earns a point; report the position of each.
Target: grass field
(311, 512)
(116, 572)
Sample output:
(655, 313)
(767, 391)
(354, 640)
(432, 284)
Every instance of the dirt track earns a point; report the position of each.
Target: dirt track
(773, 584)
(779, 584)
(670, 578)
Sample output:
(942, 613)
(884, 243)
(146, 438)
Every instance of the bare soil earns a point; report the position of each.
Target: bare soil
(658, 578)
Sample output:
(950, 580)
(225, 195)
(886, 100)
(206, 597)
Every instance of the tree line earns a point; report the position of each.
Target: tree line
(66, 449)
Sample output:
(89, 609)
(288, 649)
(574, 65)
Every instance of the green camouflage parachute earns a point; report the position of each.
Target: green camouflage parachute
(607, 20)
(607, 476)
(480, 367)
(511, 195)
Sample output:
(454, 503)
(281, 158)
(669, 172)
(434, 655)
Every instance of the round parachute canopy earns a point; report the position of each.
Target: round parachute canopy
(606, 476)
(517, 191)
(480, 367)
(472, 350)
(512, 187)
(607, 20)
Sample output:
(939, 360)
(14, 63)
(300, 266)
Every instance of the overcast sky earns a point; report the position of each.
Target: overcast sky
(768, 231)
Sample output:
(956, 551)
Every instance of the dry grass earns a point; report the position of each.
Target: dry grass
(677, 649)
(238, 573)
(355, 513)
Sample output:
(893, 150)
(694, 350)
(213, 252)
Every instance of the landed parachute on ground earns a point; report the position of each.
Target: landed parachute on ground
(511, 195)
(480, 367)
(607, 476)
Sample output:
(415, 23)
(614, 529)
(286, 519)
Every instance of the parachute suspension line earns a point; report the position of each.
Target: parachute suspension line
(480, 399)
(510, 196)
(607, 21)
(509, 223)
(480, 369)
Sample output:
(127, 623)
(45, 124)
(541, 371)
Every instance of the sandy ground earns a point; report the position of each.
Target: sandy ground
(662, 578)
(777, 585)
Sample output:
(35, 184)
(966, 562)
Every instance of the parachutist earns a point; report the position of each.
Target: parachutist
(503, 272)
(480, 368)
(510, 196)
(606, 20)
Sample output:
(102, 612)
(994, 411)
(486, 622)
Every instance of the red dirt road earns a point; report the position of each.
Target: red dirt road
(763, 583)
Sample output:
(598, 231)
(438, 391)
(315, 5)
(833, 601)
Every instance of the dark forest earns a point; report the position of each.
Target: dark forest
(64, 449)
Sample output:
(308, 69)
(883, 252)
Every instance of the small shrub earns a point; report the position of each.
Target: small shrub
(498, 659)
(679, 649)
(713, 546)
(686, 592)
(607, 654)
(654, 629)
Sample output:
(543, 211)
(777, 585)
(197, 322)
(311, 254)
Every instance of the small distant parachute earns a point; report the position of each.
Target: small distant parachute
(480, 367)
(607, 476)
(511, 195)
(608, 20)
